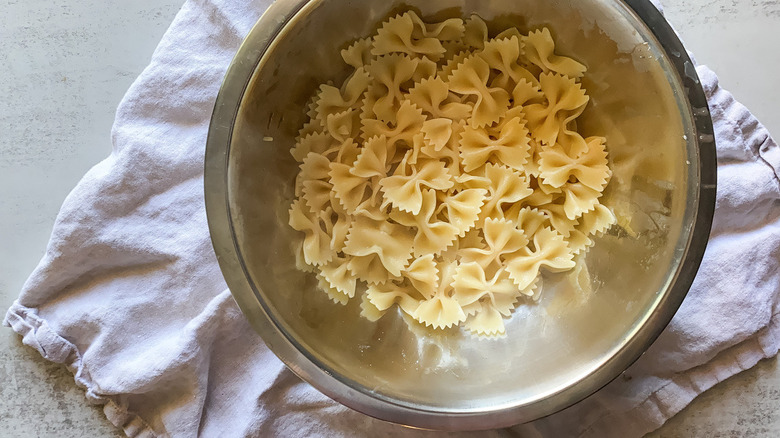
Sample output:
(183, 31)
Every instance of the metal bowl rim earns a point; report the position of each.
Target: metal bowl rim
(223, 119)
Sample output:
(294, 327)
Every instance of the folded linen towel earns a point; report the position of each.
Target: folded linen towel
(129, 295)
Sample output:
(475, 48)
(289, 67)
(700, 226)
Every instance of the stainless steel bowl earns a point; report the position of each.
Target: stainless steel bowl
(645, 98)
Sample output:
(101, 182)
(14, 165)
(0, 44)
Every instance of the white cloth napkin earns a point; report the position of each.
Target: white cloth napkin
(130, 298)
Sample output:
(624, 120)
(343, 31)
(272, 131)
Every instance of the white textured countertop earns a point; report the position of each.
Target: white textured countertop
(64, 66)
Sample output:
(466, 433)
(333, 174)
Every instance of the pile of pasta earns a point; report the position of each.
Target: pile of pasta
(446, 172)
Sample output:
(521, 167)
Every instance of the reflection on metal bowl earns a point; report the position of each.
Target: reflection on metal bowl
(587, 328)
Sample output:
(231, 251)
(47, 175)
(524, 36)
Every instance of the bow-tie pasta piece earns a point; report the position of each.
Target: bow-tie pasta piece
(341, 223)
(411, 156)
(485, 320)
(408, 121)
(590, 167)
(502, 55)
(338, 277)
(508, 34)
(311, 127)
(448, 32)
(316, 243)
(445, 172)
(508, 144)
(358, 54)
(317, 142)
(451, 50)
(369, 311)
(452, 63)
(313, 124)
(592, 223)
(311, 107)
(572, 142)
(343, 126)
(404, 189)
(529, 220)
(565, 98)
(350, 189)
(433, 96)
(504, 186)
(423, 274)
(579, 199)
(396, 36)
(450, 153)
(300, 260)
(525, 93)
(346, 152)
(392, 76)
(451, 29)
(555, 213)
(475, 32)
(354, 192)
(372, 160)
(532, 165)
(462, 209)
(316, 194)
(437, 133)
(371, 207)
(383, 296)
(333, 100)
(597, 221)
(472, 239)
(334, 294)
(502, 238)
(489, 300)
(370, 240)
(540, 51)
(441, 310)
(471, 78)
(432, 235)
(549, 250)
(407, 33)
(315, 167)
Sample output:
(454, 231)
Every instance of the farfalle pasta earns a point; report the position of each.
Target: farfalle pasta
(447, 172)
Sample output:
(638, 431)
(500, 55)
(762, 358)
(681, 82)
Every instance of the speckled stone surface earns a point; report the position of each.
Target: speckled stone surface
(64, 66)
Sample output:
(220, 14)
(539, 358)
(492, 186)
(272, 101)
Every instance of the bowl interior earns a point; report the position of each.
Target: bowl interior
(583, 318)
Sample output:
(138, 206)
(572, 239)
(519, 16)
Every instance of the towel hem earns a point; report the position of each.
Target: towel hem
(37, 333)
(668, 400)
(675, 395)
